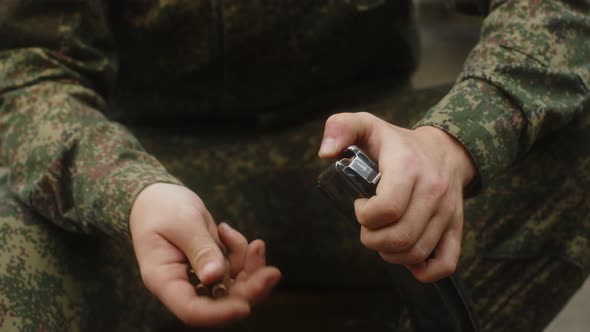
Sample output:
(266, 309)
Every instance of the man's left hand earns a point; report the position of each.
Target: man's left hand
(418, 207)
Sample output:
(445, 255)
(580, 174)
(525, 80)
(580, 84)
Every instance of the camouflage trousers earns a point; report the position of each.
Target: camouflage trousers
(525, 248)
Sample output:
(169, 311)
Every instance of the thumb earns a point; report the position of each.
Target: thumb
(345, 129)
(203, 253)
(208, 262)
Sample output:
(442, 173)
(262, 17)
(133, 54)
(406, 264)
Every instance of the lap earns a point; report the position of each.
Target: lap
(525, 236)
(531, 221)
(264, 183)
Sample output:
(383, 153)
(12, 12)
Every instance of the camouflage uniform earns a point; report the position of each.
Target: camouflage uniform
(229, 105)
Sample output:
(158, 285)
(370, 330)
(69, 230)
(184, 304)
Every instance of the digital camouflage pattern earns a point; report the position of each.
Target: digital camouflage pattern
(527, 77)
(54, 280)
(526, 235)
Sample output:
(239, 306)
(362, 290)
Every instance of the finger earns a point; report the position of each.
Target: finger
(256, 256)
(424, 246)
(444, 262)
(401, 235)
(257, 285)
(241, 276)
(199, 246)
(174, 291)
(391, 199)
(344, 129)
(237, 246)
(255, 259)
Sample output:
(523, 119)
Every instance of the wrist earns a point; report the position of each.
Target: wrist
(153, 198)
(453, 153)
(139, 205)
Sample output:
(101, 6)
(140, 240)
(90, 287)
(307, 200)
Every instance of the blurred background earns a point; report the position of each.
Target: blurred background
(446, 39)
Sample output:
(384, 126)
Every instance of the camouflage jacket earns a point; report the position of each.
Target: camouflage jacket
(60, 62)
(528, 76)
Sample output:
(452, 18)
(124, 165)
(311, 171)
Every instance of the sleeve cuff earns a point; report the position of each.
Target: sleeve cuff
(116, 195)
(108, 175)
(484, 120)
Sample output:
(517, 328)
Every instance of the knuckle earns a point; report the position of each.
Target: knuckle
(365, 239)
(417, 255)
(409, 159)
(258, 288)
(189, 212)
(447, 268)
(388, 258)
(438, 187)
(200, 254)
(393, 211)
(365, 115)
(452, 207)
(400, 240)
(379, 213)
(362, 216)
(336, 119)
(424, 277)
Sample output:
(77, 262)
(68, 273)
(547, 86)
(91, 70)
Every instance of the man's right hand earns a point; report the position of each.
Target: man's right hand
(170, 224)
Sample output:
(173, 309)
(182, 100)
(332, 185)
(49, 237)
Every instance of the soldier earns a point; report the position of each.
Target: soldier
(84, 205)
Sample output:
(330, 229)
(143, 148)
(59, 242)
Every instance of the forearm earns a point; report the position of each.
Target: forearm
(67, 161)
(527, 77)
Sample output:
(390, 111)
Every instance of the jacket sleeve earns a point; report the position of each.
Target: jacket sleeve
(67, 161)
(528, 76)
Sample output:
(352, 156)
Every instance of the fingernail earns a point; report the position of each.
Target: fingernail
(210, 268)
(226, 227)
(328, 146)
